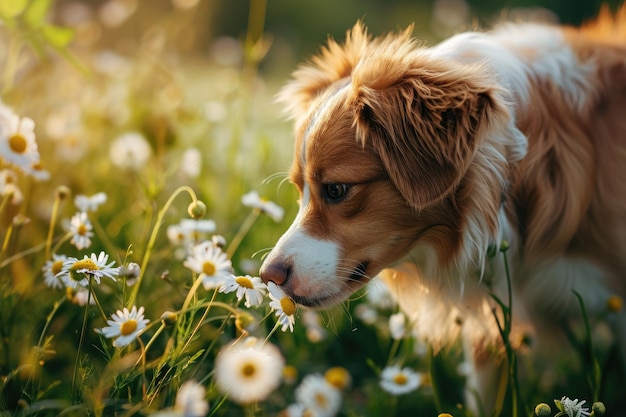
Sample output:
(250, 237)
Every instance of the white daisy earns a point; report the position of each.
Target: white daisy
(377, 294)
(51, 269)
(252, 199)
(319, 396)
(397, 326)
(191, 400)
(38, 172)
(125, 326)
(130, 151)
(252, 288)
(572, 408)
(211, 263)
(81, 227)
(398, 381)
(76, 272)
(190, 231)
(79, 296)
(84, 203)
(191, 163)
(366, 313)
(284, 306)
(248, 370)
(17, 139)
(315, 331)
(9, 187)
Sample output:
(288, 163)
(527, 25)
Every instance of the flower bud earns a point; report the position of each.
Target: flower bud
(543, 410)
(197, 209)
(63, 192)
(598, 409)
(169, 317)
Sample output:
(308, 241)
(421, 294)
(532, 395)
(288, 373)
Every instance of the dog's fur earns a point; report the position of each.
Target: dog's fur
(412, 161)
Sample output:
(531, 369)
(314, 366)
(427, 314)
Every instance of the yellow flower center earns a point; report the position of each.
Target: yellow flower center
(57, 266)
(338, 377)
(17, 143)
(82, 229)
(614, 303)
(85, 264)
(128, 327)
(245, 282)
(81, 265)
(288, 306)
(321, 400)
(248, 370)
(400, 379)
(208, 268)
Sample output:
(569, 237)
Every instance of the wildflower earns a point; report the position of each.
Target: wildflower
(130, 151)
(614, 303)
(571, 408)
(598, 408)
(252, 288)
(366, 313)
(80, 296)
(17, 139)
(51, 269)
(543, 410)
(9, 188)
(191, 400)
(378, 295)
(85, 203)
(130, 272)
(338, 377)
(190, 231)
(211, 263)
(125, 326)
(196, 209)
(38, 172)
(317, 395)
(294, 410)
(76, 272)
(397, 326)
(315, 332)
(191, 163)
(252, 199)
(398, 381)
(248, 371)
(283, 305)
(81, 227)
(290, 374)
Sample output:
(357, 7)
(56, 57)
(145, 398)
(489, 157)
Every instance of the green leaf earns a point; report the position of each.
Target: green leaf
(58, 37)
(12, 8)
(36, 13)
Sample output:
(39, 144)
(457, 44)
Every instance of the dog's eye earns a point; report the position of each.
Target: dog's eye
(335, 192)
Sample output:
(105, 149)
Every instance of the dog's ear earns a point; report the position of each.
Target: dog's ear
(334, 62)
(424, 118)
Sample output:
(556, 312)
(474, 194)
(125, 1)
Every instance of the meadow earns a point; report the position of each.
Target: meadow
(142, 179)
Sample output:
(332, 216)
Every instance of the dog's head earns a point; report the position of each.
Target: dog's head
(386, 136)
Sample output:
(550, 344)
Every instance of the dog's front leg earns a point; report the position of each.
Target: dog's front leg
(486, 372)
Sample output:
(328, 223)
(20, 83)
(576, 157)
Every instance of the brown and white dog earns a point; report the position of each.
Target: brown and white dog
(412, 161)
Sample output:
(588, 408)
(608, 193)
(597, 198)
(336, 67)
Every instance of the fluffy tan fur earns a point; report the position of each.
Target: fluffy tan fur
(449, 150)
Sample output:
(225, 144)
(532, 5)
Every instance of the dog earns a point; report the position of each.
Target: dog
(413, 162)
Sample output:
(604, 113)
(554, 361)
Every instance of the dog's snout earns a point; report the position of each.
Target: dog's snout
(276, 272)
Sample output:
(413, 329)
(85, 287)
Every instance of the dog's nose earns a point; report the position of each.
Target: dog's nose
(276, 272)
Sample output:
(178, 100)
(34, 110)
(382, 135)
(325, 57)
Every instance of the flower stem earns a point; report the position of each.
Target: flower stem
(153, 236)
(53, 219)
(242, 232)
